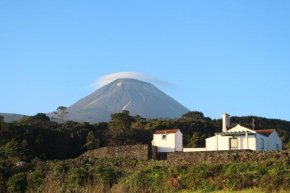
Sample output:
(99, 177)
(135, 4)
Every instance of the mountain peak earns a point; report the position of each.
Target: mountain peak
(138, 97)
(129, 80)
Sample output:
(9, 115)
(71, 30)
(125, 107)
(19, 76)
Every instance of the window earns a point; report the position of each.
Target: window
(262, 144)
(233, 143)
(277, 146)
(164, 137)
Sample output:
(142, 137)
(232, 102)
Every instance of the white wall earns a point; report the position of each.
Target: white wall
(193, 149)
(178, 141)
(210, 144)
(259, 138)
(224, 142)
(251, 142)
(274, 139)
(164, 145)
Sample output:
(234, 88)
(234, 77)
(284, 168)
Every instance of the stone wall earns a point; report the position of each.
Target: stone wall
(140, 152)
(226, 156)
(145, 152)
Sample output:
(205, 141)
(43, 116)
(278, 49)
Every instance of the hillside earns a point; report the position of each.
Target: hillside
(9, 117)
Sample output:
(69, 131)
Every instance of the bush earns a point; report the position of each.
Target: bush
(147, 180)
(34, 180)
(61, 167)
(17, 183)
(77, 177)
(2, 182)
(106, 174)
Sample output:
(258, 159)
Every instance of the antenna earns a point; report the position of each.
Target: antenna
(253, 124)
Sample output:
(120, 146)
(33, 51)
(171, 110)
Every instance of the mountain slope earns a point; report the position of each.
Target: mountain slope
(138, 97)
(9, 117)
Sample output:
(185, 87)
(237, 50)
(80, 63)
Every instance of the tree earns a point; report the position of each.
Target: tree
(16, 151)
(139, 118)
(1, 119)
(61, 112)
(197, 140)
(195, 116)
(40, 117)
(120, 122)
(92, 141)
(120, 128)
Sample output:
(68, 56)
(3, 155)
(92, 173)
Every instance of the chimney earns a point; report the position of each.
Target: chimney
(226, 122)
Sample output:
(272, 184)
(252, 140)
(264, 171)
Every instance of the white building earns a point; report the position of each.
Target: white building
(240, 137)
(20, 163)
(168, 140)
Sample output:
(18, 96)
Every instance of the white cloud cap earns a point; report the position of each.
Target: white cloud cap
(120, 75)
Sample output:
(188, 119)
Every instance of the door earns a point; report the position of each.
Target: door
(233, 143)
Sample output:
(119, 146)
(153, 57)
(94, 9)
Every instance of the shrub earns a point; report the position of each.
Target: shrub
(106, 174)
(61, 167)
(34, 180)
(17, 183)
(2, 182)
(77, 177)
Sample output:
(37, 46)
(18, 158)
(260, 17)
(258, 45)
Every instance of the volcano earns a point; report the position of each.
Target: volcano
(137, 97)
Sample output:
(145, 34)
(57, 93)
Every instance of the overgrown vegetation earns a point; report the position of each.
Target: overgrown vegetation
(36, 140)
(128, 175)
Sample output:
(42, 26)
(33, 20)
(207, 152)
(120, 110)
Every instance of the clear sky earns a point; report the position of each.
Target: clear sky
(220, 56)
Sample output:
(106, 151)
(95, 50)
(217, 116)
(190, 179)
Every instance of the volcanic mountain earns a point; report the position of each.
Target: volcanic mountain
(138, 97)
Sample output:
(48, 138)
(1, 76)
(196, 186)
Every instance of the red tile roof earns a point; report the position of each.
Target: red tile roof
(265, 132)
(166, 131)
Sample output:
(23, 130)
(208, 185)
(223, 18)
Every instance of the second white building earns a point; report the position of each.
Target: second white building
(240, 137)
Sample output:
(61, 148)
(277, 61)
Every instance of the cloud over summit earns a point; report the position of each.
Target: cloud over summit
(121, 75)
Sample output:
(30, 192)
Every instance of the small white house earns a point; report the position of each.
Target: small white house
(240, 137)
(168, 140)
(20, 163)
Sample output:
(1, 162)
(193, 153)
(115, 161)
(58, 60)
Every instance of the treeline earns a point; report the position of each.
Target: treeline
(39, 138)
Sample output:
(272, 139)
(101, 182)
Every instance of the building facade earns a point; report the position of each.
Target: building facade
(240, 137)
(168, 140)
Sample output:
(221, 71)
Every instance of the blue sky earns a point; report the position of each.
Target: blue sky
(221, 56)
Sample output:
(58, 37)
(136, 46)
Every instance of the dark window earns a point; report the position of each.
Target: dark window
(262, 143)
(277, 147)
(164, 137)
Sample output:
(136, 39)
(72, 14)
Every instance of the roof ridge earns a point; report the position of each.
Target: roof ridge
(265, 132)
(166, 131)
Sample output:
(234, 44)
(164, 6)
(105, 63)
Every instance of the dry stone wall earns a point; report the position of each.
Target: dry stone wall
(227, 156)
(139, 152)
(145, 152)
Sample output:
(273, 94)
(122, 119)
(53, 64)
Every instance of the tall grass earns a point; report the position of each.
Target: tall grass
(128, 175)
